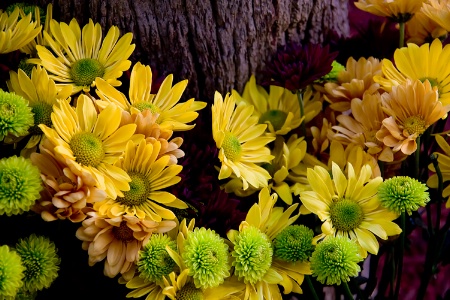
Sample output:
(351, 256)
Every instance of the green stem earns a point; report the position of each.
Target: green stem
(302, 112)
(402, 249)
(348, 293)
(417, 159)
(402, 34)
(311, 287)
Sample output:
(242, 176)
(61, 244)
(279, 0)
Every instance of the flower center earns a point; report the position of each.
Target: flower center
(275, 117)
(433, 81)
(189, 292)
(346, 215)
(231, 147)
(415, 125)
(147, 105)
(42, 115)
(139, 190)
(123, 233)
(87, 149)
(11, 185)
(85, 70)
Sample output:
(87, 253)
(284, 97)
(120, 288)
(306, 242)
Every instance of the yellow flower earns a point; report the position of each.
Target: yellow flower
(412, 106)
(15, 33)
(241, 142)
(149, 176)
(30, 48)
(42, 94)
(172, 115)
(399, 10)
(79, 56)
(279, 108)
(438, 11)
(421, 28)
(423, 63)
(353, 82)
(320, 141)
(444, 165)
(349, 206)
(89, 144)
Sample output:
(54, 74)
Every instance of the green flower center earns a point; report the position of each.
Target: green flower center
(294, 243)
(123, 233)
(275, 117)
(232, 147)
(253, 255)
(11, 184)
(85, 70)
(147, 105)
(415, 125)
(346, 215)
(189, 292)
(87, 149)
(139, 190)
(433, 81)
(42, 115)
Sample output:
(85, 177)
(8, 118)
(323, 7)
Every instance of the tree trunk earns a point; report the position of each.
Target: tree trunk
(217, 44)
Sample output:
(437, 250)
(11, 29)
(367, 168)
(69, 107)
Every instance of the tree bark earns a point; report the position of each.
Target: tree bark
(216, 44)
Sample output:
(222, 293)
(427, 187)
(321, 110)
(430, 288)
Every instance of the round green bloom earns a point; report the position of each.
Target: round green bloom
(189, 292)
(154, 260)
(253, 255)
(335, 260)
(20, 184)
(15, 115)
(403, 193)
(294, 243)
(206, 257)
(333, 75)
(11, 272)
(40, 260)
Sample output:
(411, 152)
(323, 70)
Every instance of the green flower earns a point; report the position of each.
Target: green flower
(335, 260)
(154, 260)
(333, 75)
(253, 255)
(189, 292)
(294, 243)
(403, 193)
(206, 256)
(15, 115)
(40, 260)
(20, 184)
(11, 272)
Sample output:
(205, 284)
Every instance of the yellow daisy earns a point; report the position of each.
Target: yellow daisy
(15, 33)
(438, 11)
(424, 63)
(149, 176)
(79, 56)
(412, 107)
(279, 108)
(89, 144)
(42, 94)
(349, 206)
(444, 165)
(399, 10)
(241, 142)
(172, 115)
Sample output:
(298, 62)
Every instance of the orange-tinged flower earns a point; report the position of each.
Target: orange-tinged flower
(399, 10)
(438, 11)
(422, 28)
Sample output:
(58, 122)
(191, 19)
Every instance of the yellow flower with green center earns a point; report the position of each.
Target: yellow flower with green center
(77, 57)
(41, 93)
(349, 206)
(16, 32)
(241, 142)
(90, 143)
(149, 176)
(431, 68)
(412, 107)
(172, 114)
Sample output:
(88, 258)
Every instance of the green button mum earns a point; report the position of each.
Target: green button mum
(15, 115)
(11, 272)
(294, 243)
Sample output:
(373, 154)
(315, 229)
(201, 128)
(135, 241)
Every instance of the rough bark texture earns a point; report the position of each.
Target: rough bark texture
(216, 44)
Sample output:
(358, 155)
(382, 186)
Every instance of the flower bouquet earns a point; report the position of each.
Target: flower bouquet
(326, 176)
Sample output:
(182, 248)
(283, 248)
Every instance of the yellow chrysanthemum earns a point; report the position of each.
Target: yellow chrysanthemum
(30, 48)
(241, 141)
(412, 107)
(172, 115)
(90, 144)
(438, 11)
(444, 166)
(399, 10)
(258, 270)
(423, 63)
(349, 206)
(279, 108)
(79, 56)
(353, 82)
(42, 94)
(421, 29)
(149, 176)
(15, 33)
